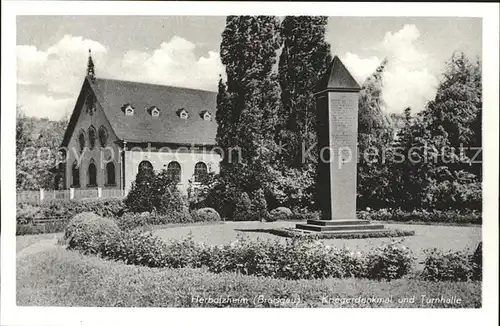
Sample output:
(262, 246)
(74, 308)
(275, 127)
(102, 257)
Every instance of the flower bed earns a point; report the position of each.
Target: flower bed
(294, 233)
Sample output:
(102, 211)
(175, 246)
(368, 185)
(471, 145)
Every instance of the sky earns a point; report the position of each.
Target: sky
(52, 53)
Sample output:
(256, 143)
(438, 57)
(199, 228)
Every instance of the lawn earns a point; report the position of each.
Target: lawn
(23, 242)
(426, 236)
(58, 277)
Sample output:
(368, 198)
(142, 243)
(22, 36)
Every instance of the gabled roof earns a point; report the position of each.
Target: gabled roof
(168, 127)
(337, 78)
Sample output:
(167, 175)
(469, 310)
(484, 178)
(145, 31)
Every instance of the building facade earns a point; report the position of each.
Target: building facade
(118, 127)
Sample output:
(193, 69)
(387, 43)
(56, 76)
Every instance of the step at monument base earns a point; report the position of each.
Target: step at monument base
(340, 226)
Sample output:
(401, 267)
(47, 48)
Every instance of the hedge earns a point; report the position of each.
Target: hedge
(58, 212)
(453, 265)
(131, 221)
(65, 209)
(296, 258)
(49, 227)
(423, 216)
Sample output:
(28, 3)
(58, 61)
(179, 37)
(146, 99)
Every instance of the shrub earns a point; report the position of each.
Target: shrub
(447, 266)
(28, 228)
(140, 197)
(477, 263)
(184, 253)
(242, 208)
(462, 192)
(77, 221)
(168, 197)
(136, 248)
(221, 196)
(292, 188)
(88, 232)
(145, 249)
(206, 214)
(197, 195)
(153, 192)
(171, 218)
(47, 227)
(131, 221)
(25, 213)
(295, 259)
(280, 213)
(422, 216)
(390, 261)
(305, 214)
(259, 206)
(64, 209)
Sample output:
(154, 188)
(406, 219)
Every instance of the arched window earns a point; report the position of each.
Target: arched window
(103, 136)
(92, 174)
(59, 177)
(58, 182)
(81, 140)
(145, 165)
(200, 171)
(75, 175)
(92, 137)
(174, 171)
(110, 174)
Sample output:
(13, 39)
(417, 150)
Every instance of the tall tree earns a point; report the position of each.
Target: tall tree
(248, 104)
(303, 60)
(375, 132)
(442, 176)
(223, 118)
(456, 111)
(37, 143)
(458, 100)
(372, 120)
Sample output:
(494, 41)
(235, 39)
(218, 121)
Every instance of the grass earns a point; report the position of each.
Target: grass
(64, 278)
(25, 241)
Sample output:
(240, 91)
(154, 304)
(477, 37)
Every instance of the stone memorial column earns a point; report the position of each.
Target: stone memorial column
(337, 110)
(337, 127)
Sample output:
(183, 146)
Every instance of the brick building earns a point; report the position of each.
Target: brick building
(118, 127)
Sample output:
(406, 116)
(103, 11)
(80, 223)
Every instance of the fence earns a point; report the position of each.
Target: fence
(36, 197)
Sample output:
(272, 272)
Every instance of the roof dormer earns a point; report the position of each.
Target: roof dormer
(183, 113)
(206, 115)
(128, 109)
(153, 111)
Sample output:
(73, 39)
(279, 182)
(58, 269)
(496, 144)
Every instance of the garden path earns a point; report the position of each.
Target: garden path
(37, 247)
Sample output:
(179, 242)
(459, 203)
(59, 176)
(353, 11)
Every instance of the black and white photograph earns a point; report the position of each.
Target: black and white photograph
(265, 160)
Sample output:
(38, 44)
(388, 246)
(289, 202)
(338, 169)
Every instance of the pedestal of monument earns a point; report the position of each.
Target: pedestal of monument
(340, 226)
(337, 126)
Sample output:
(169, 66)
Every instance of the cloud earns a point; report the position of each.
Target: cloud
(360, 68)
(30, 63)
(52, 78)
(407, 80)
(173, 63)
(43, 106)
(55, 75)
(61, 67)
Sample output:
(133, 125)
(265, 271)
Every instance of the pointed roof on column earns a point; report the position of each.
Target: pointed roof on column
(337, 78)
(90, 67)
